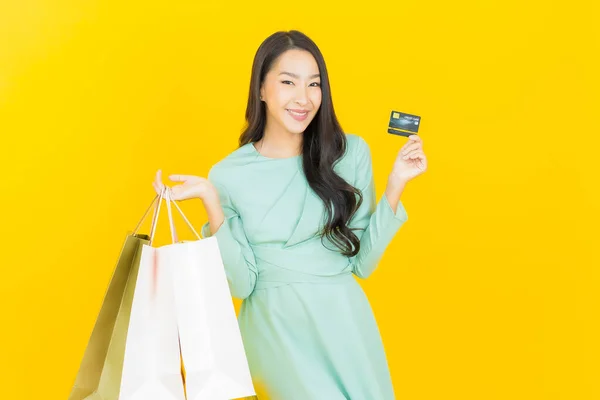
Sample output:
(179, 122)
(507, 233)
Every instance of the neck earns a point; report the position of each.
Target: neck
(279, 143)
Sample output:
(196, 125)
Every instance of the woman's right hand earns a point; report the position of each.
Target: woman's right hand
(193, 187)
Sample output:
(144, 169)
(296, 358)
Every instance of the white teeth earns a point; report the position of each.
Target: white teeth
(298, 114)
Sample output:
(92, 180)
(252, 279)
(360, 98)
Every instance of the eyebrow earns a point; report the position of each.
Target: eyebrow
(296, 76)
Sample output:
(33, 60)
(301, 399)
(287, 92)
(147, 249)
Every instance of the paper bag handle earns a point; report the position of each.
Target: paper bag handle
(155, 217)
(164, 194)
(170, 200)
(137, 228)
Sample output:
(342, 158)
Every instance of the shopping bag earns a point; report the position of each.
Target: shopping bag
(99, 375)
(152, 366)
(212, 350)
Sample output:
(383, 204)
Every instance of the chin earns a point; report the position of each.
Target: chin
(296, 129)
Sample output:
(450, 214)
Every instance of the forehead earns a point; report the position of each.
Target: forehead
(300, 62)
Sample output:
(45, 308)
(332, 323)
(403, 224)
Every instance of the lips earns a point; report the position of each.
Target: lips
(298, 115)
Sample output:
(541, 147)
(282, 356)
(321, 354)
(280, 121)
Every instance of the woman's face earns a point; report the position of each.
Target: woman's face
(292, 91)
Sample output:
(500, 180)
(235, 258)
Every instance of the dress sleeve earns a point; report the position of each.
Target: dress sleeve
(377, 223)
(236, 253)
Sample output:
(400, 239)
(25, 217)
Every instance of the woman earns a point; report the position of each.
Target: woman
(294, 212)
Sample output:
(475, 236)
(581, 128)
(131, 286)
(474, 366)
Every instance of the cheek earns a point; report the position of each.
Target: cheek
(316, 98)
(281, 97)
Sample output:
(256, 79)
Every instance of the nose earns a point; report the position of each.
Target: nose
(301, 95)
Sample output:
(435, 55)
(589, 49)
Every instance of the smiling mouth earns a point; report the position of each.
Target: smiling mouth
(299, 114)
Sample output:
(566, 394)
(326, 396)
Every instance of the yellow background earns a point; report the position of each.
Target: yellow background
(489, 291)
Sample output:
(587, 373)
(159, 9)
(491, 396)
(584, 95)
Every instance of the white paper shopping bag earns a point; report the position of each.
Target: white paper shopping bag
(211, 344)
(152, 362)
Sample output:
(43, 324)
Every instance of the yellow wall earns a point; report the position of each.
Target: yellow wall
(490, 291)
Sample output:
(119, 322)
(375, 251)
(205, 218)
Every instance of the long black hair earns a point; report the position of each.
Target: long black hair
(323, 144)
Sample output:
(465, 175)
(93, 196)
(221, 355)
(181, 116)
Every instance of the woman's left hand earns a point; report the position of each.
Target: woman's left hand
(410, 161)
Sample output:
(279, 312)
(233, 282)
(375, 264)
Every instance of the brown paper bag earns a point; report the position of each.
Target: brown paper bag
(99, 375)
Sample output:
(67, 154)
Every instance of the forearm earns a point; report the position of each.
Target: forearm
(237, 256)
(383, 224)
(214, 212)
(393, 191)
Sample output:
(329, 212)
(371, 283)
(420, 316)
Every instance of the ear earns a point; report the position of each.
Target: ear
(262, 92)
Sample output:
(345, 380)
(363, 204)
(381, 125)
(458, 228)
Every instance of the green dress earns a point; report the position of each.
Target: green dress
(307, 326)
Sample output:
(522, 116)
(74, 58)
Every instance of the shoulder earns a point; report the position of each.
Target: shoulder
(230, 166)
(358, 149)
(356, 161)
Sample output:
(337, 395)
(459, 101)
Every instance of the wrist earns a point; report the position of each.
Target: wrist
(396, 183)
(210, 200)
(206, 194)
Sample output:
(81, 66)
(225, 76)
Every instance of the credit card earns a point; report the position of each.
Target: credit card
(403, 124)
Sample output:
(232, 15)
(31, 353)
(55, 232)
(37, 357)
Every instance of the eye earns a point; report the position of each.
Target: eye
(316, 83)
(286, 81)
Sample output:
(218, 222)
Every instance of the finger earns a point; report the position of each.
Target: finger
(416, 138)
(406, 145)
(158, 180)
(412, 155)
(176, 192)
(158, 185)
(413, 146)
(157, 188)
(417, 156)
(180, 178)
